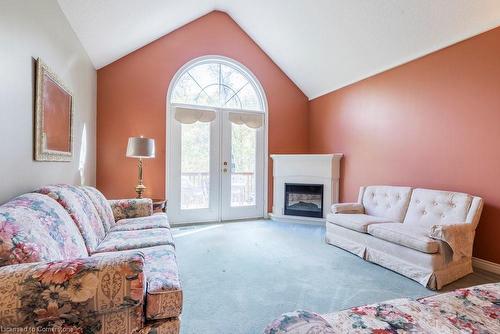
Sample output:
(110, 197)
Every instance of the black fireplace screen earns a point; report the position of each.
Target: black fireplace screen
(304, 200)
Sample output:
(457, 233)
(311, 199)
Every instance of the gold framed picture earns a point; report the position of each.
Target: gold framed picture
(53, 117)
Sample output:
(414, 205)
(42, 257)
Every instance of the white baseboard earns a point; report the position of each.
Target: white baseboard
(486, 265)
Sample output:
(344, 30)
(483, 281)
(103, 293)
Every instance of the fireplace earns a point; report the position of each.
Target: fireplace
(304, 200)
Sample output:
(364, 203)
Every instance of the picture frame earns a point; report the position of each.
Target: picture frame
(54, 117)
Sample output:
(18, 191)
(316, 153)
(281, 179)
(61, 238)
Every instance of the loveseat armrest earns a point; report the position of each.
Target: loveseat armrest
(348, 208)
(65, 293)
(460, 237)
(131, 208)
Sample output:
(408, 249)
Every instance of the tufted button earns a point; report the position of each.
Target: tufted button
(417, 201)
(434, 203)
(442, 215)
(453, 205)
(424, 212)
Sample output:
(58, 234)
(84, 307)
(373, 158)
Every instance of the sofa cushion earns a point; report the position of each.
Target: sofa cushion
(405, 235)
(163, 286)
(125, 240)
(356, 222)
(81, 209)
(34, 228)
(158, 220)
(386, 201)
(434, 207)
(102, 206)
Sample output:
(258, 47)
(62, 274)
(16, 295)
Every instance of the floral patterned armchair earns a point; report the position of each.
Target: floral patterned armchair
(469, 310)
(71, 261)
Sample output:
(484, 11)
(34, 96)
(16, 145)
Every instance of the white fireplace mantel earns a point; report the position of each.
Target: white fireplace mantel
(305, 168)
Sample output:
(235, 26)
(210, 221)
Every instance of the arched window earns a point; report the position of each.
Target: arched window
(219, 83)
(217, 137)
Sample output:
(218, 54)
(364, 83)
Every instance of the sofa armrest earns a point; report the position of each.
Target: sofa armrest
(70, 291)
(460, 238)
(131, 208)
(348, 208)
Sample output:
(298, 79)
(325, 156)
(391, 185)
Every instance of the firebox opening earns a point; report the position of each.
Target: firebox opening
(304, 200)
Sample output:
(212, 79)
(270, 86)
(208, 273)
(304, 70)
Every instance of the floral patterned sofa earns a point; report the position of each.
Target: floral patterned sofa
(471, 310)
(73, 262)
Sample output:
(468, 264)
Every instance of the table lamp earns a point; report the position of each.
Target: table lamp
(140, 148)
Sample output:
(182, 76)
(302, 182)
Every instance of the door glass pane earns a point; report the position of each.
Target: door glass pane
(195, 165)
(243, 165)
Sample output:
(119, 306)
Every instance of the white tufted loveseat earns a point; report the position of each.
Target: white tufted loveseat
(426, 235)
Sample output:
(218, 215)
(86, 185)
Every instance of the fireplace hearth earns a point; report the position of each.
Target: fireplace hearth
(304, 200)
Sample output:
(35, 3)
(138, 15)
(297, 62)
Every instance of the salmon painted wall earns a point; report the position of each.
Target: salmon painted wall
(433, 122)
(131, 100)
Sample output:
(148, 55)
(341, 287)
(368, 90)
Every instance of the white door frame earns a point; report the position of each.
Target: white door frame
(170, 120)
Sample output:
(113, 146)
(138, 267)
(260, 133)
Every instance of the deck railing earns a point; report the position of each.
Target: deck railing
(195, 189)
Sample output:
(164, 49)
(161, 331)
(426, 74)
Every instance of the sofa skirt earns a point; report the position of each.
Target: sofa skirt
(431, 270)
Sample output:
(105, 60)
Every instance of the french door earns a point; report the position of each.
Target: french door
(216, 165)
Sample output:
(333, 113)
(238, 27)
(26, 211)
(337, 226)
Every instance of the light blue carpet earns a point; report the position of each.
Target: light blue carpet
(237, 277)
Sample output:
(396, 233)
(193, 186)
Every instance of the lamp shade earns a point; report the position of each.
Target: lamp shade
(140, 147)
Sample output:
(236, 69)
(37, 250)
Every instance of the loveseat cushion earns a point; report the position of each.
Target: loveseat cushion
(34, 228)
(157, 220)
(125, 240)
(81, 209)
(163, 286)
(405, 235)
(435, 207)
(356, 222)
(101, 205)
(386, 201)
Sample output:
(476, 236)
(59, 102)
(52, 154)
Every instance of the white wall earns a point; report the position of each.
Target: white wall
(30, 29)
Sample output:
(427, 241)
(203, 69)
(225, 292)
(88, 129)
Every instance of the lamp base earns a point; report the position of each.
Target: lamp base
(139, 189)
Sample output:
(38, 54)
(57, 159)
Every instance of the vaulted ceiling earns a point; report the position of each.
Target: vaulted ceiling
(322, 45)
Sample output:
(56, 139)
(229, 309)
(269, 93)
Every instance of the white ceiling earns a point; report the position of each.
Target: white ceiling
(322, 45)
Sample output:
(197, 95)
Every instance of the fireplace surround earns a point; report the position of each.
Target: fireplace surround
(304, 169)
